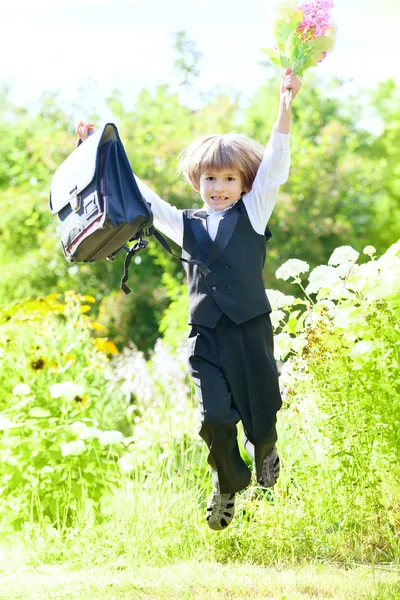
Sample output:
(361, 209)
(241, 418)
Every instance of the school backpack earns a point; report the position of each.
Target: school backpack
(98, 203)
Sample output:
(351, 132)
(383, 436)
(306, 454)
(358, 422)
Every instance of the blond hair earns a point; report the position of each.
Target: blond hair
(221, 152)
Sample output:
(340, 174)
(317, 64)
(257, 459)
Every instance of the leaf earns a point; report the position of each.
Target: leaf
(291, 325)
(322, 43)
(289, 46)
(296, 19)
(282, 30)
(300, 322)
(38, 412)
(273, 55)
(285, 62)
(310, 62)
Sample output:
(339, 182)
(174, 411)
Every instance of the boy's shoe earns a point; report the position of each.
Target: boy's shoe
(220, 510)
(270, 469)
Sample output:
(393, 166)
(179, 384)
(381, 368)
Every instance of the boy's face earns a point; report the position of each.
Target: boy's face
(221, 189)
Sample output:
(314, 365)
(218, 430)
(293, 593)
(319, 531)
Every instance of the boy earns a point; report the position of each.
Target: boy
(230, 344)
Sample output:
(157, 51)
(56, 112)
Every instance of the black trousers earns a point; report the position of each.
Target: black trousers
(236, 379)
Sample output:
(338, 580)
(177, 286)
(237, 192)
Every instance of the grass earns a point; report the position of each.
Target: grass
(329, 529)
(122, 580)
(158, 547)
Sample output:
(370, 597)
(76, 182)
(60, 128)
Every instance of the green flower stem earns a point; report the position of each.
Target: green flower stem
(288, 98)
(298, 280)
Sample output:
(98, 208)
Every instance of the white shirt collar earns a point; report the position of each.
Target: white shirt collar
(210, 211)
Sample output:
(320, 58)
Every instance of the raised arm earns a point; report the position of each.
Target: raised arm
(274, 168)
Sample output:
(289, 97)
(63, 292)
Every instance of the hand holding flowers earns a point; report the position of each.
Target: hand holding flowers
(290, 81)
(304, 35)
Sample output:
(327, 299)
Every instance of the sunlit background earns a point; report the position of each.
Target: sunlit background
(85, 48)
(102, 473)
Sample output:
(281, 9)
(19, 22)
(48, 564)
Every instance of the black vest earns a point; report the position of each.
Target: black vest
(234, 285)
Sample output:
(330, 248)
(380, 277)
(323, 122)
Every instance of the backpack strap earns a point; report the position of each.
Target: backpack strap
(203, 268)
(141, 244)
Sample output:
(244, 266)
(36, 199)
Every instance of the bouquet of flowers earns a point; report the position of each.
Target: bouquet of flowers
(304, 34)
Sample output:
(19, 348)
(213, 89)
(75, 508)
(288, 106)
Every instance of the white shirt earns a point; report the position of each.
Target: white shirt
(259, 201)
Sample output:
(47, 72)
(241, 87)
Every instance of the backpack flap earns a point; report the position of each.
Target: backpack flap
(77, 172)
(96, 198)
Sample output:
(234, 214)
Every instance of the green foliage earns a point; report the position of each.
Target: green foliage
(186, 64)
(173, 324)
(337, 497)
(342, 188)
(342, 377)
(52, 388)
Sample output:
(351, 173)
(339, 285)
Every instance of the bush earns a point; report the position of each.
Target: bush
(54, 460)
(341, 386)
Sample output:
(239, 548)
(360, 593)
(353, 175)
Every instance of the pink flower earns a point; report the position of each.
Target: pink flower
(316, 20)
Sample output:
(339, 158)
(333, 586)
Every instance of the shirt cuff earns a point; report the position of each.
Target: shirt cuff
(281, 141)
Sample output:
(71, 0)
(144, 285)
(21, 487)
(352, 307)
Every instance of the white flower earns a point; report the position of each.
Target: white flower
(365, 277)
(343, 269)
(286, 374)
(88, 433)
(110, 437)
(73, 448)
(363, 347)
(385, 288)
(127, 463)
(66, 389)
(343, 254)
(7, 423)
(292, 268)
(279, 300)
(369, 250)
(282, 345)
(322, 277)
(393, 250)
(21, 389)
(77, 427)
(331, 306)
(318, 313)
(298, 343)
(276, 317)
(47, 469)
(345, 316)
(311, 319)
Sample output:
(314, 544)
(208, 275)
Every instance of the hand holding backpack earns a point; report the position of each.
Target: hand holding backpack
(99, 205)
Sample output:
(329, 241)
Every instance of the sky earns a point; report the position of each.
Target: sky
(85, 48)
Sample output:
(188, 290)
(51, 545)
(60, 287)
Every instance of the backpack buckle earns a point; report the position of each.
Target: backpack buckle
(74, 199)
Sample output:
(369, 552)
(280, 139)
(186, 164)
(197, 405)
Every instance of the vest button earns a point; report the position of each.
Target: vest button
(227, 267)
(213, 289)
(228, 287)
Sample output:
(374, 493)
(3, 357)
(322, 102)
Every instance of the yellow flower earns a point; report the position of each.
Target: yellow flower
(80, 402)
(52, 297)
(97, 326)
(85, 308)
(105, 345)
(88, 299)
(38, 363)
(70, 357)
